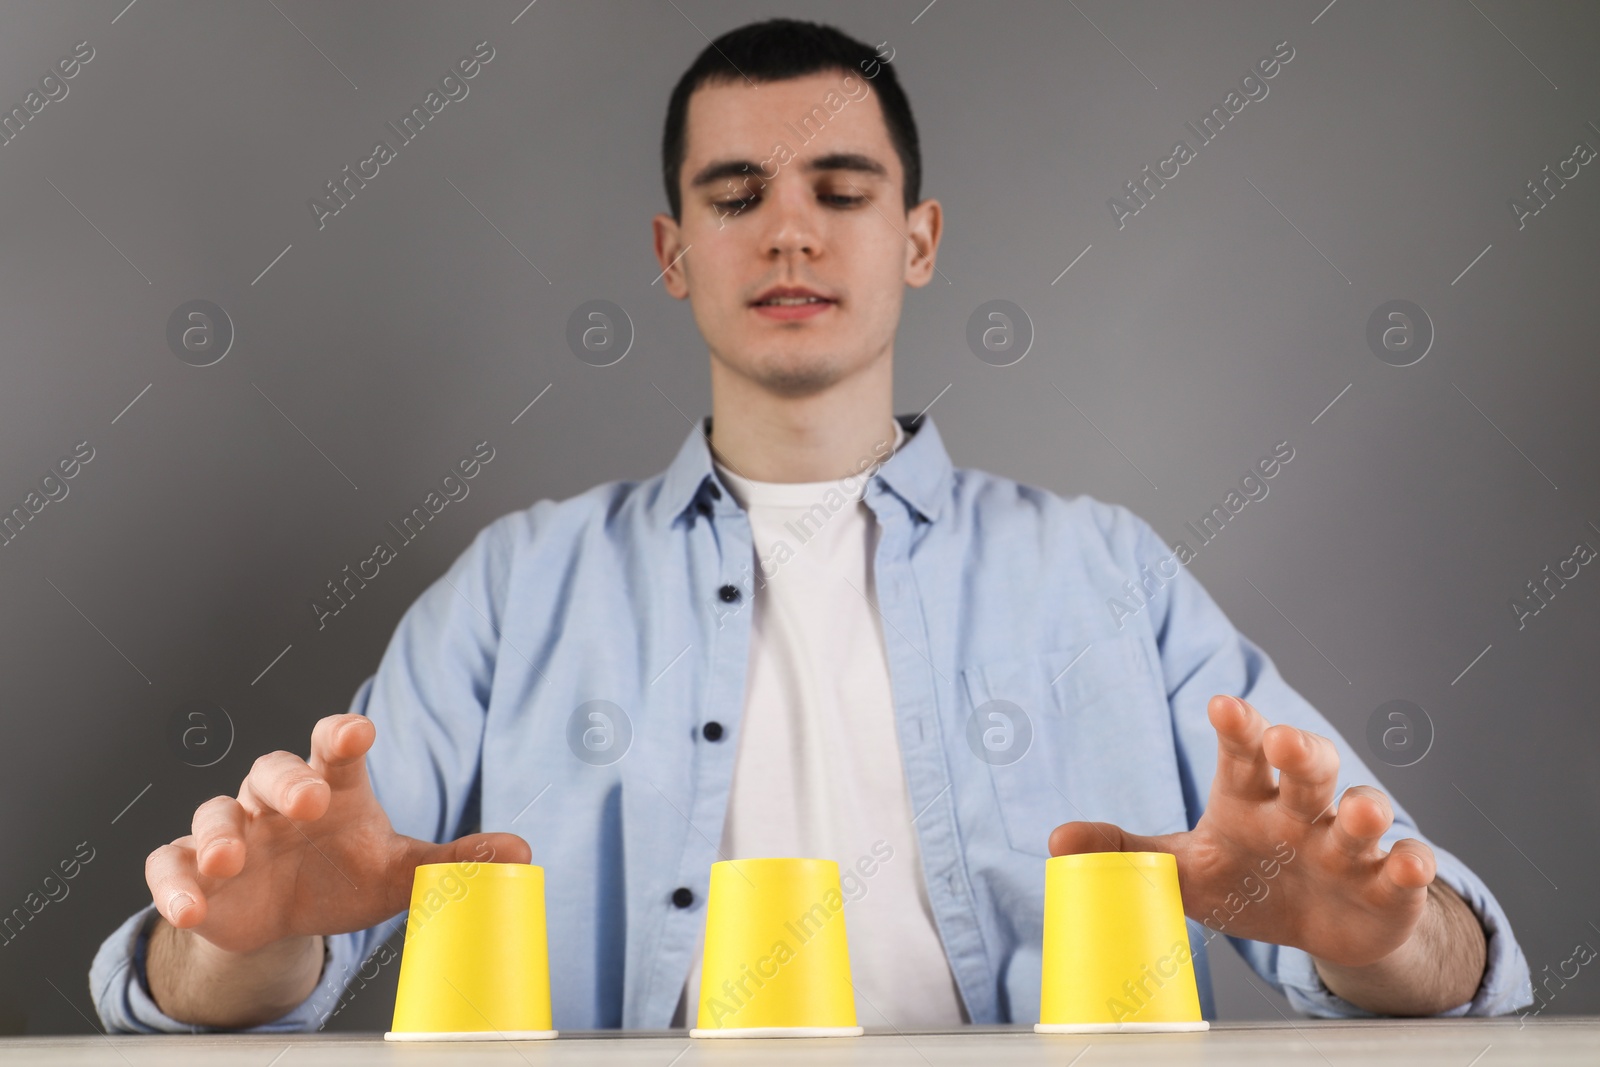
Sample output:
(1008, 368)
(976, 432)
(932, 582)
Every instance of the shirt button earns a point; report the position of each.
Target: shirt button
(729, 593)
(682, 896)
(712, 731)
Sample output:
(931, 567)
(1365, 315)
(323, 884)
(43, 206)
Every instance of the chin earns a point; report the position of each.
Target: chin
(796, 373)
(798, 379)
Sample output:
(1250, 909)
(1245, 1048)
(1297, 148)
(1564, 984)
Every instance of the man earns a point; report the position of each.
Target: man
(810, 635)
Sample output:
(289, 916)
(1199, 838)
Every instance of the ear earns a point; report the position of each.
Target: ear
(924, 226)
(669, 248)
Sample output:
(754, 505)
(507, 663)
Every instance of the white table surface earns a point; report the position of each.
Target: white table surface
(1550, 1040)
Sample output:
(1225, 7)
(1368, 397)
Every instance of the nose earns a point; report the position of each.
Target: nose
(792, 221)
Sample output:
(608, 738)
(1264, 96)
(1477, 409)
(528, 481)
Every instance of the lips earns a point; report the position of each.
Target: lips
(792, 301)
(791, 295)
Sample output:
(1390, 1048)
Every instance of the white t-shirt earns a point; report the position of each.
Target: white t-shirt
(818, 771)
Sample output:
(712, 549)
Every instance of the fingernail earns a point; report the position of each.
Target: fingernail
(178, 903)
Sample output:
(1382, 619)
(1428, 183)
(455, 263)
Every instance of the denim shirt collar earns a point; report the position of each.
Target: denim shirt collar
(919, 474)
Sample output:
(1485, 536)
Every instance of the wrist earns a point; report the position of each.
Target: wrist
(1438, 967)
(192, 980)
(1405, 959)
(212, 957)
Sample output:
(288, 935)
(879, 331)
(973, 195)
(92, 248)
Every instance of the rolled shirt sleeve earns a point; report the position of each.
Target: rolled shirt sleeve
(121, 991)
(1202, 654)
(428, 700)
(1506, 985)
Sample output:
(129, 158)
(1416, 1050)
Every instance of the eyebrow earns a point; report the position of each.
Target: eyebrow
(732, 168)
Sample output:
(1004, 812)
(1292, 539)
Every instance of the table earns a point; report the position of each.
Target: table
(1551, 1040)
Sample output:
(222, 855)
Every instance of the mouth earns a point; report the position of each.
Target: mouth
(791, 302)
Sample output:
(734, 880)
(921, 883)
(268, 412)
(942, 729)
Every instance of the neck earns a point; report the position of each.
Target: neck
(771, 438)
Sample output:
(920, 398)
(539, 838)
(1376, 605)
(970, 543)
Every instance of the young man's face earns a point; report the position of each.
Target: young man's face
(825, 216)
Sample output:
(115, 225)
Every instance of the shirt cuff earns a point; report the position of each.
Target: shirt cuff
(1505, 986)
(121, 993)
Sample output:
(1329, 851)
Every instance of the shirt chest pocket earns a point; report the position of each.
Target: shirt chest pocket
(1079, 733)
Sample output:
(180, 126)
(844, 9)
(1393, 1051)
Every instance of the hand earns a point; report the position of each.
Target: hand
(1331, 890)
(304, 849)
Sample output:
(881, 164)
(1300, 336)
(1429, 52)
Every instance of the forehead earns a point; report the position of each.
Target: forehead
(835, 108)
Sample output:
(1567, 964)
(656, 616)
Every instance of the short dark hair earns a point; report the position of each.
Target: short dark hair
(777, 50)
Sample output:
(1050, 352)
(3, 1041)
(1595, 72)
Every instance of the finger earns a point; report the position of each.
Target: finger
(473, 848)
(339, 745)
(283, 782)
(1364, 816)
(1071, 838)
(1309, 770)
(1242, 768)
(1410, 864)
(174, 887)
(219, 837)
(489, 848)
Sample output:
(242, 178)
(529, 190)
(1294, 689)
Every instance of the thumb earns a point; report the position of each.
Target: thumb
(479, 848)
(1074, 837)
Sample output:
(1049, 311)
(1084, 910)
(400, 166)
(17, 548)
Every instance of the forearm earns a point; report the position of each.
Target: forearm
(196, 982)
(1439, 967)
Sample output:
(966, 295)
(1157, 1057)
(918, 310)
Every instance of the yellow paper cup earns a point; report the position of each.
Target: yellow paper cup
(1116, 949)
(777, 963)
(476, 964)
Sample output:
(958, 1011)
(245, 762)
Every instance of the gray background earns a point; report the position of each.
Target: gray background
(374, 353)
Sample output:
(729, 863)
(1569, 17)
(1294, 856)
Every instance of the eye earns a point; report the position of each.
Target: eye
(735, 205)
(840, 200)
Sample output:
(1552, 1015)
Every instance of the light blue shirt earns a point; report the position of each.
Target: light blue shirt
(989, 590)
